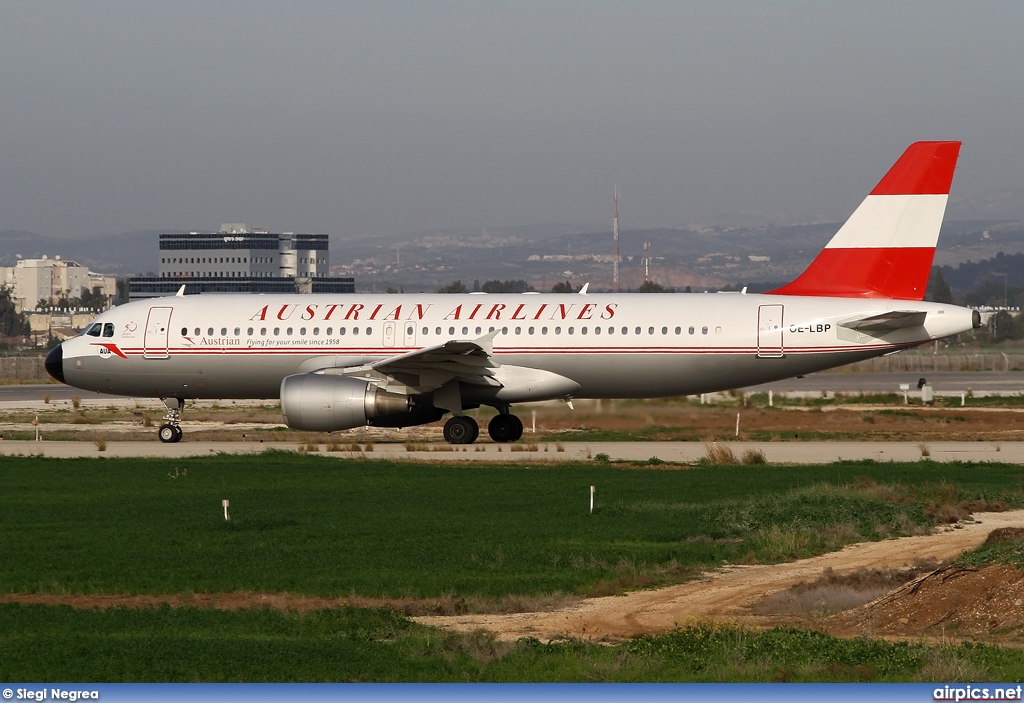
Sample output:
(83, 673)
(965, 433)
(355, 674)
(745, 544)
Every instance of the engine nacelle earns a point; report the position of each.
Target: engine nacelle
(323, 403)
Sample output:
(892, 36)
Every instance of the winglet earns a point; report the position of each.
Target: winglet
(487, 342)
(181, 292)
(586, 286)
(885, 249)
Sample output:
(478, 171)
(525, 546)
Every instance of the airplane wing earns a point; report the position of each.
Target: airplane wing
(886, 321)
(427, 369)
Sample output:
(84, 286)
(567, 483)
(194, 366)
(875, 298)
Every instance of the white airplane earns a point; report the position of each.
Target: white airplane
(338, 362)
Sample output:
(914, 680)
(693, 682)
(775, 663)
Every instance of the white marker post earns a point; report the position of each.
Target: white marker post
(737, 424)
(592, 500)
(226, 504)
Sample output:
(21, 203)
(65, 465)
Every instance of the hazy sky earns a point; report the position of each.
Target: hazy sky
(390, 117)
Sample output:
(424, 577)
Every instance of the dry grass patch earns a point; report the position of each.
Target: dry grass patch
(718, 454)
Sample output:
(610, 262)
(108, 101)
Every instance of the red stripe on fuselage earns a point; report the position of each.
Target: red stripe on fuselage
(900, 273)
(926, 168)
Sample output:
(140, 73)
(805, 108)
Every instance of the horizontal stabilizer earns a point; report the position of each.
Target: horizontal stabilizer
(886, 321)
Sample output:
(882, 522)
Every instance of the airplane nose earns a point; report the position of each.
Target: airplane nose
(55, 363)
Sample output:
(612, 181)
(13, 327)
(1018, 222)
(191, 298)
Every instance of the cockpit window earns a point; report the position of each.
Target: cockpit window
(108, 329)
(94, 329)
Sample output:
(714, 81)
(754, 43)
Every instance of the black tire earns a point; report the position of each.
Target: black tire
(517, 433)
(502, 428)
(168, 434)
(178, 433)
(461, 430)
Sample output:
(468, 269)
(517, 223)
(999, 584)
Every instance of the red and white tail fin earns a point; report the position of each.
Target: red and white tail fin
(885, 249)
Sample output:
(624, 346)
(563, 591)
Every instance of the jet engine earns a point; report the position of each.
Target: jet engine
(322, 403)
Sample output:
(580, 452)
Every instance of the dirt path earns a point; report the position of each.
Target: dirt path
(724, 595)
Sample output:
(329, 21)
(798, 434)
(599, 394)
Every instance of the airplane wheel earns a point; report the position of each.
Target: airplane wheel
(502, 428)
(178, 433)
(517, 433)
(168, 434)
(461, 430)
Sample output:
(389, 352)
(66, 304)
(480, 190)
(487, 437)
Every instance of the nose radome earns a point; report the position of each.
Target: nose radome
(55, 363)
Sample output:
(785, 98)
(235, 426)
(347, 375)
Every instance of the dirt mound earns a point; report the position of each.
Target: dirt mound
(952, 602)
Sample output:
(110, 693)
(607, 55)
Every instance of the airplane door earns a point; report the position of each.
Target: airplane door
(155, 345)
(410, 334)
(389, 334)
(769, 331)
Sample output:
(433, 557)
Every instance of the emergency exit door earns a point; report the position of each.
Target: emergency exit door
(155, 345)
(769, 331)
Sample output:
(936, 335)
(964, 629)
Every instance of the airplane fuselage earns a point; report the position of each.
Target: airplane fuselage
(612, 346)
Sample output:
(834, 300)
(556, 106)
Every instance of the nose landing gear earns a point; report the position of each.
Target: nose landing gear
(170, 432)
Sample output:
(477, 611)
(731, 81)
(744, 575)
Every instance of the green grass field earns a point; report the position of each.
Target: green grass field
(325, 526)
(59, 643)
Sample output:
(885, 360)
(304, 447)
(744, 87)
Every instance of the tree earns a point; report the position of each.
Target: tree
(454, 287)
(652, 287)
(938, 290)
(519, 286)
(12, 324)
(563, 288)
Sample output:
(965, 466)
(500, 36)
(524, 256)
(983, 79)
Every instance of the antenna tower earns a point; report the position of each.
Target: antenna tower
(647, 262)
(615, 237)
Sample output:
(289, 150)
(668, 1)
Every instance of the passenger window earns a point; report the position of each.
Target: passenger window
(198, 331)
(329, 331)
(465, 331)
(543, 330)
(223, 331)
(625, 330)
(277, 331)
(558, 330)
(184, 331)
(249, 331)
(570, 330)
(451, 331)
(238, 331)
(94, 329)
(341, 331)
(437, 331)
(718, 330)
(637, 330)
(108, 329)
(478, 330)
(650, 330)
(369, 330)
(316, 331)
(355, 330)
(519, 330)
(664, 330)
(691, 330)
(426, 330)
(703, 330)
(597, 330)
(679, 330)
(504, 330)
(263, 331)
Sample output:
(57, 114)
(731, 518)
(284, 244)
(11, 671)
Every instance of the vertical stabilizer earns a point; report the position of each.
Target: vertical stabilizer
(885, 249)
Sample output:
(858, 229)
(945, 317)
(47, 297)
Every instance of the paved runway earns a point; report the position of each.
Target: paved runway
(682, 452)
(954, 382)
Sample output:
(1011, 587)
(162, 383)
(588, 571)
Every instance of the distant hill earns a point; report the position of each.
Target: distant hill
(546, 254)
(125, 254)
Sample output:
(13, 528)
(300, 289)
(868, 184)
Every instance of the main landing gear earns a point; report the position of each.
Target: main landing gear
(170, 431)
(503, 427)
